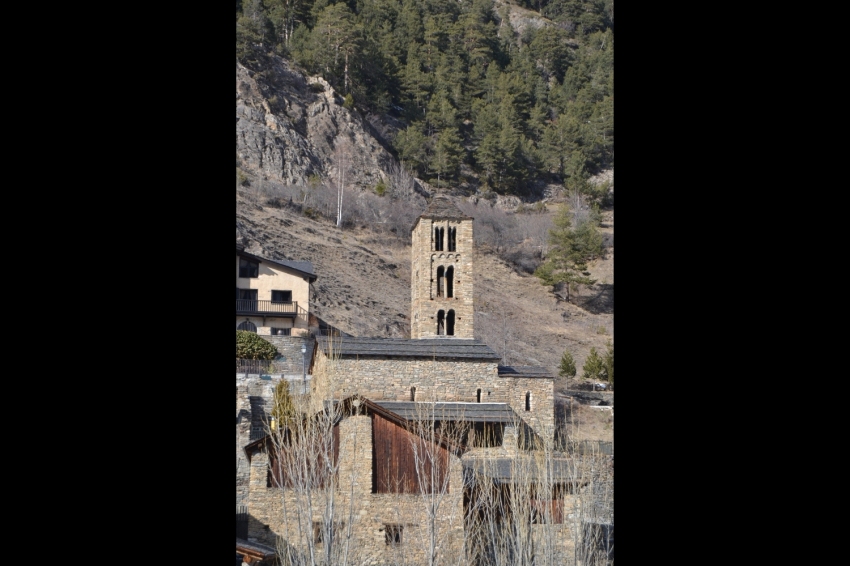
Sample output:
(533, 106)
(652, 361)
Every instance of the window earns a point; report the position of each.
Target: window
(478, 396)
(440, 280)
(450, 323)
(548, 508)
(413, 394)
(248, 268)
(319, 531)
(439, 233)
(392, 534)
(246, 300)
(452, 239)
(247, 325)
(281, 296)
(441, 323)
(281, 331)
(450, 275)
(528, 400)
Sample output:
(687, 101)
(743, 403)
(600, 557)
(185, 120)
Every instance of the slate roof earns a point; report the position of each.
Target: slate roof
(442, 207)
(527, 371)
(469, 412)
(304, 267)
(504, 469)
(411, 348)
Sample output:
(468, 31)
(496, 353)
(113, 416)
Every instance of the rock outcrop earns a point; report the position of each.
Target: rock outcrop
(290, 127)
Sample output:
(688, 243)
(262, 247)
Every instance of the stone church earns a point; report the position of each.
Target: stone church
(402, 433)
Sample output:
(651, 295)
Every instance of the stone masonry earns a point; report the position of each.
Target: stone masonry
(255, 393)
(427, 260)
(361, 514)
(386, 378)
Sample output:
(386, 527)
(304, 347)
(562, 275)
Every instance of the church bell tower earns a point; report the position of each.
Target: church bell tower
(441, 273)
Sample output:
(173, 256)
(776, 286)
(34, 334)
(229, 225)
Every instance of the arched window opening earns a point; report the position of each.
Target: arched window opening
(450, 286)
(441, 323)
(450, 324)
(478, 396)
(440, 280)
(413, 394)
(439, 233)
(452, 239)
(528, 400)
(247, 325)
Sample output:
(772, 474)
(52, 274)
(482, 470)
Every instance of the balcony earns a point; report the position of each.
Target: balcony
(266, 308)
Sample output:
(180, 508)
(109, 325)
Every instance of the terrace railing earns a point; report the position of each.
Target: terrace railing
(248, 307)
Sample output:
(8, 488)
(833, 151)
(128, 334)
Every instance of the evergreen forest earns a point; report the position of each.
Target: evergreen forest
(478, 101)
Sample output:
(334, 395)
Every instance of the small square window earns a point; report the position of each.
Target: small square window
(319, 532)
(248, 268)
(281, 331)
(281, 296)
(393, 534)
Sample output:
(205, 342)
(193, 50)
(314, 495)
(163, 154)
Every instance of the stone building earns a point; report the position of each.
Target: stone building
(404, 433)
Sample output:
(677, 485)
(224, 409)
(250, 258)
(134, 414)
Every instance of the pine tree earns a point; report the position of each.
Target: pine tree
(447, 155)
(594, 367)
(568, 365)
(570, 250)
(336, 43)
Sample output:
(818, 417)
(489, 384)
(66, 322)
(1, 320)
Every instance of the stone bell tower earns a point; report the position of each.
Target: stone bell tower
(441, 273)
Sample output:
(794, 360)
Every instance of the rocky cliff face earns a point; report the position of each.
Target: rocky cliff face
(290, 127)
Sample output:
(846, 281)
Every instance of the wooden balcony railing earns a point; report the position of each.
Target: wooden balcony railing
(249, 307)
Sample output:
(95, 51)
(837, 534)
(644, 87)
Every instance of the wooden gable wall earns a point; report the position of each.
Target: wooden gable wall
(394, 466)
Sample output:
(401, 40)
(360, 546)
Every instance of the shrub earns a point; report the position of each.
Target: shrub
(249, 346)
(283, 409)
(380, 188)
(348, 103)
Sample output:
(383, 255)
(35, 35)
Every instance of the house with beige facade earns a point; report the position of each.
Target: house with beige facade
(412, 451)
(272, 296)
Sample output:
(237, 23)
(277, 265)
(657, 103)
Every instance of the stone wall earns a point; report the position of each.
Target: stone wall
(255, 392)
(388, 378)
(262, 392)
(541, 416)
(290, 350)
(363, 515)
(425, 261)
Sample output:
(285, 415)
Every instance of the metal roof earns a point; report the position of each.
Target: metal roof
(454, 411)
(527, 371)
(416, 348)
